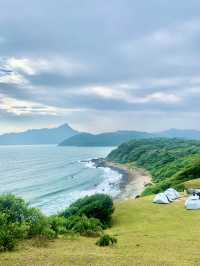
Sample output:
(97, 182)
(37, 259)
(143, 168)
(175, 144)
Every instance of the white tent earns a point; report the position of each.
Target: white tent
(177, 194)
(161, 198)
(193, 203)
(172, 194)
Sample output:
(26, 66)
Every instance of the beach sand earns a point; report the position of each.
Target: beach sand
(134, 180)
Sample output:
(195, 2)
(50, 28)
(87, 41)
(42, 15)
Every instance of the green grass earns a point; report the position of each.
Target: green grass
(147, 234)
(195, 183)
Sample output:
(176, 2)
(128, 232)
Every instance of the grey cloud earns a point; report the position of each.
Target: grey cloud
(151, 46)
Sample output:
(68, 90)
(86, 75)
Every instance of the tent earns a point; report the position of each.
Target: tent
(176, 193)
(171, 194)
(161, 198)
(192, 203)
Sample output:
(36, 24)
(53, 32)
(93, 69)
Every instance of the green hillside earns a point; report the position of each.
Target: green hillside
(170, 161)
(148, 234)
(104, 139)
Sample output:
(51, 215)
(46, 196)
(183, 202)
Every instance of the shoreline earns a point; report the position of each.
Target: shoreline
(133, 181)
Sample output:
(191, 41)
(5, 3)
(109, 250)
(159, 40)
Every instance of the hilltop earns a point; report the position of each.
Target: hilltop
(38, 136)
(147, 234)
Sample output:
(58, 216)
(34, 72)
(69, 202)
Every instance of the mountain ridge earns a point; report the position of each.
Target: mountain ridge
(118, 137)
(38, 136)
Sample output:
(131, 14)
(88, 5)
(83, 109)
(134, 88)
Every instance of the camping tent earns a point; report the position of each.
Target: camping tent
(176, 193)
(161, 198)
(171, 194)
(192, 203)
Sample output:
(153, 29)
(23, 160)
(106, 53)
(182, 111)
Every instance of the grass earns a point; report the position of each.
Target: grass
(194, 183)
(147, 234)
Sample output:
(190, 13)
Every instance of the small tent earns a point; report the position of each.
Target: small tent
(172, 194)
(161, 198)
(176, 193)
(193, 203)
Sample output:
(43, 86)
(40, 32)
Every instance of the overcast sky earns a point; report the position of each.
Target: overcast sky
(100, 65)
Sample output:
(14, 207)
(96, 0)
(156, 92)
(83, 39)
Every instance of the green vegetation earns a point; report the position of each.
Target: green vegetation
(106, 240)
(99, 206)
(86, 217)
(148, 234)
(171, 162)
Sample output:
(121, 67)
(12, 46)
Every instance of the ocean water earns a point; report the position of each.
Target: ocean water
(51, 177)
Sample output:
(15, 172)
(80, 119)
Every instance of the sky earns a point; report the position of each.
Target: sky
(100, 65)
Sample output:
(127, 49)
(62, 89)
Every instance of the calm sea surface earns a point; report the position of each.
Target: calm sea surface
(51, 177)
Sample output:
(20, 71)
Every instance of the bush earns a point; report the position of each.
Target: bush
(10, 233)
(18, 214)
(16, 208)
(39, 224)
(57, 224)
(106, 240)
(84, 226)
(98, 206)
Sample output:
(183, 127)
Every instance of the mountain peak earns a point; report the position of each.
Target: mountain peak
(52, 135)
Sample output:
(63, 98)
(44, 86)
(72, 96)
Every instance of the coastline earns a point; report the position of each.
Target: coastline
(133, 181)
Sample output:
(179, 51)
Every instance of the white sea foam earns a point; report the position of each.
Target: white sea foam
(90, 164)
(110, 182)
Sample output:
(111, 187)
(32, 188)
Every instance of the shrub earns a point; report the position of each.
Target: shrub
(106, 240)
(16, 208)
(98, 206)
(19, 213)
(39, 224)
(10, 233)
(57, 224)
(83, 225)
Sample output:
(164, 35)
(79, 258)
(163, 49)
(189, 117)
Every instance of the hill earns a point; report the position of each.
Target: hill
(38, 136)
(118, 137)
(104, 139)
(147, 234)
(171, 162)
(180, 133)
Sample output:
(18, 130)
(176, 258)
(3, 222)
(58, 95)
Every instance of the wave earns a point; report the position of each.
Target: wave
(110, 182)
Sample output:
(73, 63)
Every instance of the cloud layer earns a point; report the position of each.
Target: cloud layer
(99, 65)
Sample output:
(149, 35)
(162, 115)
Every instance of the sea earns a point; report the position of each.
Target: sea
(51, 177)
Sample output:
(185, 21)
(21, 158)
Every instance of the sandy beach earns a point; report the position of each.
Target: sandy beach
(134, 180)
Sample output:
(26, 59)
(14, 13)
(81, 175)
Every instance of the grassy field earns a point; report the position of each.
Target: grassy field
(194, 183)
(147, 234)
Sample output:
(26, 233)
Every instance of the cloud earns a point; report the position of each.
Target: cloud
(13, 78)
(27, 108)
(127, 95)
(35, 66)
(57, 58)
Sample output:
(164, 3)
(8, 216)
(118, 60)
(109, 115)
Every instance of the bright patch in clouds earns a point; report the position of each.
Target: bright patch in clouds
(20, 107)
(12, 78)
(116, 93)
(34, 66)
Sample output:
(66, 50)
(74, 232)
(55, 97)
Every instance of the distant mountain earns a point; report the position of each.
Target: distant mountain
(180, 133)
(118, 137)
(104, 139)
(38, 136)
